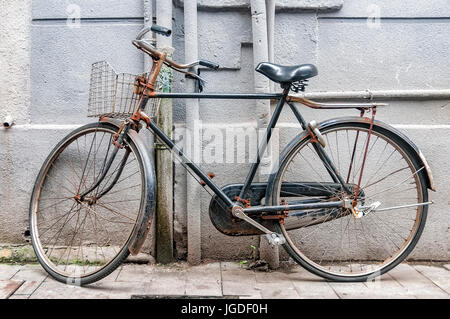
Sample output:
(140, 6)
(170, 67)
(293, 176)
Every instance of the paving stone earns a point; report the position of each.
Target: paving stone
(8, 271)
(204, 280)
(384, 287)
(416, 284)
(309, 286)
(447, 266)
(228, 279)
(438, 275)
(388, 287)
(237, 273)
(237, 281)
(135, 273)
(8, 287)
(239, 288)
(210, 271)
(203, 288)
(56, 290)
(31, 273)
(122, 290)
(33, 276)
(169, 285)
(275, 285)
(271, 277)
(283, 290)
(28, 287)
(146, 273)
(358, 290)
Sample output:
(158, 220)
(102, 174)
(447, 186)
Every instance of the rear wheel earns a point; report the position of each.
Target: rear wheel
(332, 243)
(82, 241)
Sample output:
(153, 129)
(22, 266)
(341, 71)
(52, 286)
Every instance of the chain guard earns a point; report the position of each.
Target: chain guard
(226, 223)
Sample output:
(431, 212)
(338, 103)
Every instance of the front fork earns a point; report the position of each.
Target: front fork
(117, 141)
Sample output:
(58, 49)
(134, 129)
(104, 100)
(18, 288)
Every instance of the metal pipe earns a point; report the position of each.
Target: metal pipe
(148, 63)
(193, 209)
(148, 21)
(443, 94)
(8, 121)
(267, 252)
(270, 13)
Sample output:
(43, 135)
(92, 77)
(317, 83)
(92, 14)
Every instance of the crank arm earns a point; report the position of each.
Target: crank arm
(272, 237)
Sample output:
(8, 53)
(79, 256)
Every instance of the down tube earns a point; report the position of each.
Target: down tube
(178, 152)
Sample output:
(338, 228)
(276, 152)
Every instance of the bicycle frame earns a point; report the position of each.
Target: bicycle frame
(282, 99)
(160, 59)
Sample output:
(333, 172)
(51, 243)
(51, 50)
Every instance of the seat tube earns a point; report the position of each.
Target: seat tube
(263, 144)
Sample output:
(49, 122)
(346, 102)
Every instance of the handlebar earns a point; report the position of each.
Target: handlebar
(152, 51)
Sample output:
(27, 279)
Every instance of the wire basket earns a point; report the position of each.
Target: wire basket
(115, 95)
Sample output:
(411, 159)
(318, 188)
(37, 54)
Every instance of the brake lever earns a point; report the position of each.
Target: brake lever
(200, 81)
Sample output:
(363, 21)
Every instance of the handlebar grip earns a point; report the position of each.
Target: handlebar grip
(161, 30)
(209, 64)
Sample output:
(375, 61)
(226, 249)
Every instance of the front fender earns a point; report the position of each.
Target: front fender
(145, 218)
(407, 142)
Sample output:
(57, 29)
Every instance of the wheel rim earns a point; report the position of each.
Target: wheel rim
(79, 239)
(345, 246)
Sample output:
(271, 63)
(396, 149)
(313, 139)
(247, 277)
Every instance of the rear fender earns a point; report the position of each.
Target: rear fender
(407, 142)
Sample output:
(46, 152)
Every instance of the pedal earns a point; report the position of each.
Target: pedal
(313, 125)
(275, 239)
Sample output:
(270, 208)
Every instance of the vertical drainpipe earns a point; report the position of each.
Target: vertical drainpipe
(270, 13)
(148, 20)
(193, 208)
(271, 254)
(267, 252)
(164, 165)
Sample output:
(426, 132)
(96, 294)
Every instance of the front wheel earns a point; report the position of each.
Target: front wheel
(79, 241)
(332, 243)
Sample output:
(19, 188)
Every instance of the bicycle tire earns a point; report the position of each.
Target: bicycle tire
(297, 253)
(39, 247)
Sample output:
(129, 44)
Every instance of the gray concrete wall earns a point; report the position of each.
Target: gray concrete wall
(44, 78)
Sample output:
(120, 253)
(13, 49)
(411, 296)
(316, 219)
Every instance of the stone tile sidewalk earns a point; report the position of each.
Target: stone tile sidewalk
(224, 280)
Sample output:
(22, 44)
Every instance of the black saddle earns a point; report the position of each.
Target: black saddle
(286, 74)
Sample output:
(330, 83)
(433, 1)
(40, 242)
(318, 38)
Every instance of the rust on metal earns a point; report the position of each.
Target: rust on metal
(210, 175)
(313, 136)
(245, 202)
(303, 101)
(116, 136)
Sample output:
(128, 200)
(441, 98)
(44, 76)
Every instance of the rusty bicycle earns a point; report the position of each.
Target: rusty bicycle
(348, 198)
